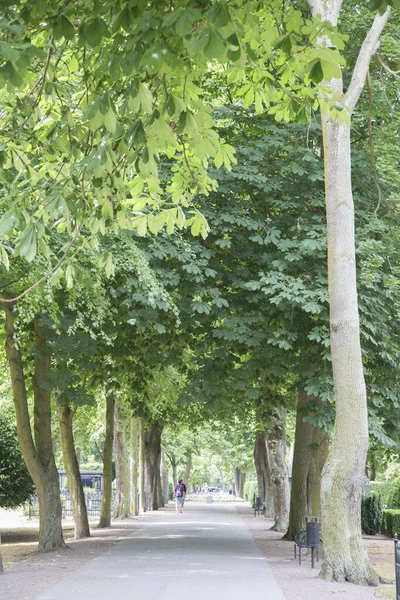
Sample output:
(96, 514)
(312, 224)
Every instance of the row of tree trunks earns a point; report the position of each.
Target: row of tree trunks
(66, 416)
(152, 462)
(188, 468)
(38, 451)
(260, 462)
(310, 453)
(279, 476)
(134, 465)
(165, 478)
(122, 501)
(105, 513)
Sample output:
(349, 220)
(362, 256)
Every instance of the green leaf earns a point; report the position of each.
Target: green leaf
(92, 32)
(146, 99)
(5, 259)
(374, 5)
(110, 120)
(12, 75)
(8, 221)
(64, 28)
(69, 276)
(141, 225)
(26, 245)
(284, 43)
(219, 15)
(8, 52)
(316, 73)
(199, 41)
(186, 19)
(215, 47)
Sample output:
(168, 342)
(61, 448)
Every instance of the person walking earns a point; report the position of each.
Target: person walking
(180, 493)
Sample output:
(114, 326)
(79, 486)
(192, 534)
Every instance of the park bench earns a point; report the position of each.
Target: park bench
(308, 538)
(258, 506)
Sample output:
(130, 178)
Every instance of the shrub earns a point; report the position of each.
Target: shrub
(394, 495)
(16, 486)
(170, 491)
(391, 522)
(371, 514)
(383, 489)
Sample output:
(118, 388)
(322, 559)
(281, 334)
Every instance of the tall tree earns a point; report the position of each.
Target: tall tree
(344, 555)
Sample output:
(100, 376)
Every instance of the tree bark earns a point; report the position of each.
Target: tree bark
(260, 462)
(372, 475)
(164, 479)
(142, 495)
(38, 454)
(345, 557)
(276, 441)
(242, 481)
(152, 458)
(121, 509)
(106, 501)
(66, 415)
(318, 455)
(237, 481)
(188, 468)
(309, 456)
(134, 465)
(174, 466)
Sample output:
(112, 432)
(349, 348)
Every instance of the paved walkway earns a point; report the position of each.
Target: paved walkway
(205, 553)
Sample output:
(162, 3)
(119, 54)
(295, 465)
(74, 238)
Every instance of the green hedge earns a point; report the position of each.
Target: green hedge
(384, 490)
(250, 488)
(371, 514)
(394, 496)
(391, 522)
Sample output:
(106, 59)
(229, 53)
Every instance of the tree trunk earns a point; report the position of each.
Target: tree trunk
(237, 481)
(106, 501)
(269, 486)
(260, 462)
(188, 468)
(66, 415)
(121, 509)
(318, 454)
(345, 557)
(309, 456)
(164, 479)
(174, 466)
(38, 454)
(152, 457)
(142, 494)
(134, 464)
(242, 481)
(276, 440)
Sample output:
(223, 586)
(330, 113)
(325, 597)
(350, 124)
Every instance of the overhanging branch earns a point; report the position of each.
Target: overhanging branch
(362, 65)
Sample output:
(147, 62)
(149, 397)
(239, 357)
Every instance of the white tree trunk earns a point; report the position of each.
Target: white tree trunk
(344, 554)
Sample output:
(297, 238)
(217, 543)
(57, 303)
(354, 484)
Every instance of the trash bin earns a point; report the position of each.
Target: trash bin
(209, 499)
(313, 533)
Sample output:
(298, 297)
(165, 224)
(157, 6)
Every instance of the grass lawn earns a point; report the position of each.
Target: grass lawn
(381, 553)
(18, 543)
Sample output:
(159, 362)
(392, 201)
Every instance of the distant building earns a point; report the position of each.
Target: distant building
(90, 479)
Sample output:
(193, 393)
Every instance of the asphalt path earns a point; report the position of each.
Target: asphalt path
(205, 553)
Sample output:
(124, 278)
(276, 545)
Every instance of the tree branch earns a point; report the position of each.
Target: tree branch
(371, 144)
(395, 73)
(47, 275)
(362, 65)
